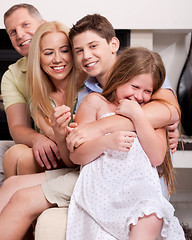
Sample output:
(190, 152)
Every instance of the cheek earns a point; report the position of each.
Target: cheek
(147, 98)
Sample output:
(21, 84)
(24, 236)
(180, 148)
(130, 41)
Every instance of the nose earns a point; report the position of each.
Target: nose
(20, 33)
(87, 54)
(139, 96)
(57, 58)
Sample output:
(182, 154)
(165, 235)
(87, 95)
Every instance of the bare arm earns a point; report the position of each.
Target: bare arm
(153, 141)
(158, 114)
(19, 123)
(59, 121)
(93, 148)
(45, 127)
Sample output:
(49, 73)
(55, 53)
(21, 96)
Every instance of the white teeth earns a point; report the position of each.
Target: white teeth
(91, 64)
(58, 68)
(26, 42)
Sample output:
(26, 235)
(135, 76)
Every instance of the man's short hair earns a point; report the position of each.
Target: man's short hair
(31, 9)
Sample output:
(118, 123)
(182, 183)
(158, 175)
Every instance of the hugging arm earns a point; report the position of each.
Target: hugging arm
(158, 113)
(152, 141)
(93, 148)
(19, 121)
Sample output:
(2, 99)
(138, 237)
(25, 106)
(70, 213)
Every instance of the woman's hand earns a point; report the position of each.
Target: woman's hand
(59, 121)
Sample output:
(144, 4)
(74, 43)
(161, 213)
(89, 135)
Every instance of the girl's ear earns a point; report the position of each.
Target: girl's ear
(115, 44)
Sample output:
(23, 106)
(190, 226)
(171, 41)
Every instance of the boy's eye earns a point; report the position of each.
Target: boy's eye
(78, 51)
(93, 46)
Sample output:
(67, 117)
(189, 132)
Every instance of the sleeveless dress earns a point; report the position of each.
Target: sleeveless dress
(112, 192)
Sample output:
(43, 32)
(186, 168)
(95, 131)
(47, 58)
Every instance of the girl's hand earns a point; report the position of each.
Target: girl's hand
(120, 140)
(59, 121)
(129, 108)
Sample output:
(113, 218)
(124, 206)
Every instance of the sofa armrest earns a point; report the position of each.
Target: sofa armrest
(51, 224)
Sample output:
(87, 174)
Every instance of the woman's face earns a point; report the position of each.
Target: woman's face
(55, 56)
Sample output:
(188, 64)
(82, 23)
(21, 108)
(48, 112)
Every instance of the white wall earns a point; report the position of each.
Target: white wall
(142, 16)
(124, 14)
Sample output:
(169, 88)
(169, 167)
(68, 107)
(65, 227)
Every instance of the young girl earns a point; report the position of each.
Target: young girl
(118, 193)
(51, 83)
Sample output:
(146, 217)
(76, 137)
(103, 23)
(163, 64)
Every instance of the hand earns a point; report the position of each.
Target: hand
(128, 108)
(45, 152)
(81, 134)
(173, 135)
(59, 121)
(120, 140)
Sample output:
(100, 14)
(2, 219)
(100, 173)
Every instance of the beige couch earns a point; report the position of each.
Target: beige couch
(51, 224)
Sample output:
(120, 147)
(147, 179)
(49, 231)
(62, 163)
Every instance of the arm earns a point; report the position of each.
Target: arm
(90, 150)
(158, 113)
(59, 121)
(45, 127)
(152, 141)
(18, 118)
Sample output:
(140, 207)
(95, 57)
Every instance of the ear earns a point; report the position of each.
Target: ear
(114, 44)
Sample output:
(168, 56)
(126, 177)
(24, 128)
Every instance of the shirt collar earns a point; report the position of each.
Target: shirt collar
(92, 85)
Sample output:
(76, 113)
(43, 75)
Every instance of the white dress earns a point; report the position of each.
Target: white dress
(112, 192)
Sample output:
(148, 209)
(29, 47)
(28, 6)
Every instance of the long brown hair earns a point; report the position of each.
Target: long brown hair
(131, 62)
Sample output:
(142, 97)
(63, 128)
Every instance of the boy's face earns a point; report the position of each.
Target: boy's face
(94, 55)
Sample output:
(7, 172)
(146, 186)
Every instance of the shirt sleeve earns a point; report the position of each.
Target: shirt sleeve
(11, 92)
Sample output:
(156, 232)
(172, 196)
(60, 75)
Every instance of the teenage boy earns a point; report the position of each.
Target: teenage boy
(21, 22)
(95, 47)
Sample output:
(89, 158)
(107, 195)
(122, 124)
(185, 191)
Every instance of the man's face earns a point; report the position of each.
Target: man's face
(21, 26)
(94, 54)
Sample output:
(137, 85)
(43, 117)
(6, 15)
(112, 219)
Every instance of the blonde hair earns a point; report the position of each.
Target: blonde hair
(39, 84)
(131, 62)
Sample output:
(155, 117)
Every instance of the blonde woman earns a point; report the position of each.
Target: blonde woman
(51, 83)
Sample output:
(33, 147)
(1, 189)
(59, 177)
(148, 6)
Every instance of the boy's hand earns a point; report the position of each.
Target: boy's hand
(81, 134)
(173, 135)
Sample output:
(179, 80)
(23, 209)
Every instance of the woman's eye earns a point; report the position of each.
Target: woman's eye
(48, 53)
(65, 51)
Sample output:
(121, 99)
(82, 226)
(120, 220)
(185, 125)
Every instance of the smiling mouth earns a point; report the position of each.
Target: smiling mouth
(25, 43)
(58, 68)
(90, 64)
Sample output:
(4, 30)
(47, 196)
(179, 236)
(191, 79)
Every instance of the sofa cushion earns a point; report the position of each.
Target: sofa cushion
(51, 224)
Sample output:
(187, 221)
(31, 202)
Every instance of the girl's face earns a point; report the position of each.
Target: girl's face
(139, 89)
(55, 55)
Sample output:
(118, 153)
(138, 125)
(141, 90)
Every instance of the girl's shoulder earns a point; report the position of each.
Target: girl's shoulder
(95, 98)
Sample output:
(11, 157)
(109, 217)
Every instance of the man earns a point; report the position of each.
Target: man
(21, 22)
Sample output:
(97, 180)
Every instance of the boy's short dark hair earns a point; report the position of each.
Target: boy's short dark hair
(96, 23)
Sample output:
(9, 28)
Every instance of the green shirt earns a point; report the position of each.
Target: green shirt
(13, 84)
